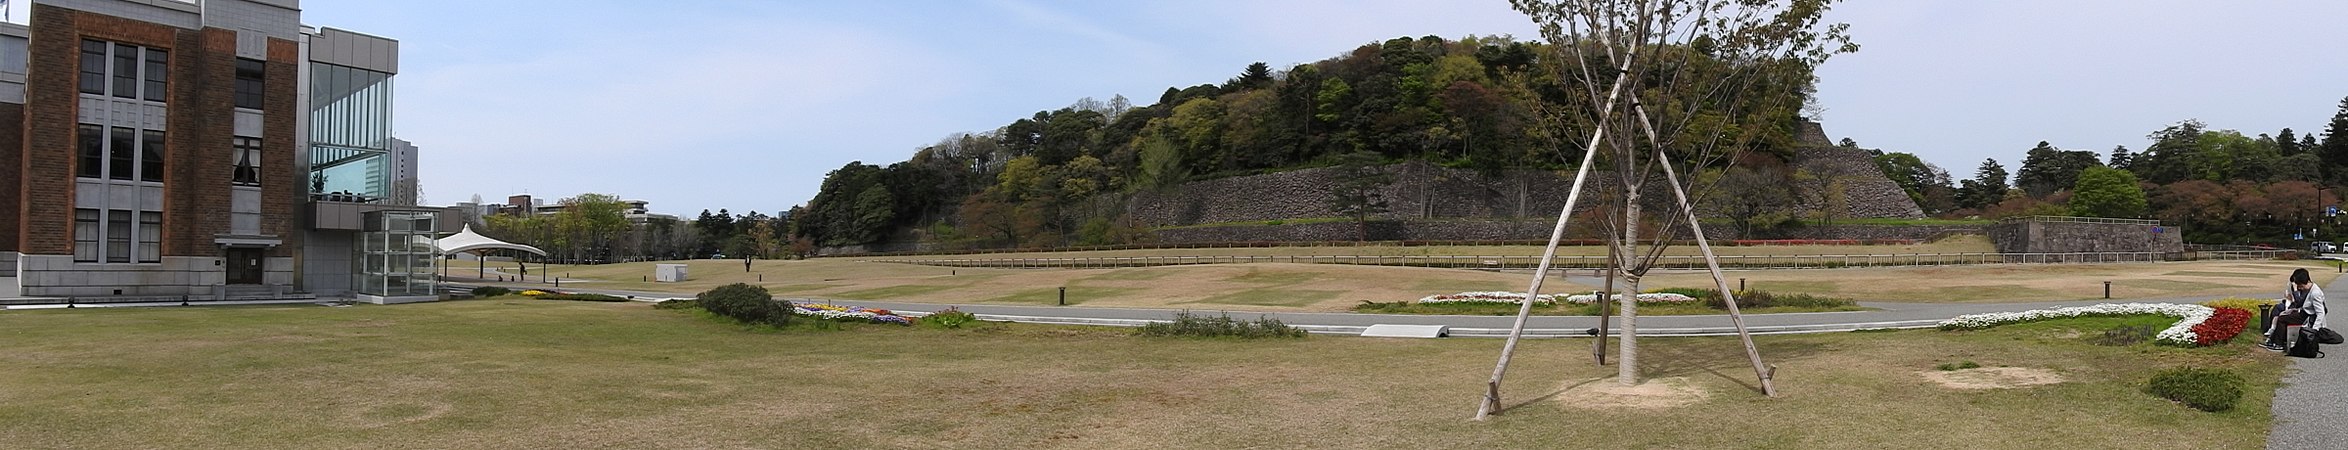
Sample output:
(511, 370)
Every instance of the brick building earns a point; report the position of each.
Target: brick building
(177, 148)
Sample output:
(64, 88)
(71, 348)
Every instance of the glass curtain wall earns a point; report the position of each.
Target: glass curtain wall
(396, 255)
(350, 133)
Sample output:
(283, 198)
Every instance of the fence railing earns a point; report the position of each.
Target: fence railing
(1513, 262)
(2076, 219)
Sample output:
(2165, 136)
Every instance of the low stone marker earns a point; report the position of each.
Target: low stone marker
(668, 273)
(1407, 331)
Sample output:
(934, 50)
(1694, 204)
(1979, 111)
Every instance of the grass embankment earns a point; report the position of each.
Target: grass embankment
(1707, 303)
(1954, 244)
(511, 374)
(1336, 287)
(1249, 287)
(2018, 282)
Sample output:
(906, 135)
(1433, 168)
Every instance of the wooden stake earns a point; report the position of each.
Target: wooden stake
(1711, 262)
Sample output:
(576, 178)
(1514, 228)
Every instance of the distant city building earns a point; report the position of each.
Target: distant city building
(403, 173)
(637, 211)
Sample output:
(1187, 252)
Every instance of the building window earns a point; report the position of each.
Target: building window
(131, 69)
(150, 236)
(118, 236)
(126, 71)
(158, 69)
(93, 67)
(249, 77)
(248, 162)
(151, 155)
(93, 150)
(85, 235)
(122, 147)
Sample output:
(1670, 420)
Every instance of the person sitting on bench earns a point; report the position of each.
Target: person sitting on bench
(2303, 304)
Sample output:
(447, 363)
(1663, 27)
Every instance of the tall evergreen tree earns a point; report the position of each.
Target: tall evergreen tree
(1986, 188)
(2334, 150)
(2287, 143)
(2121, 158)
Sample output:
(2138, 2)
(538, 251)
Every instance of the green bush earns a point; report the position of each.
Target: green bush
(2210, 390)
(582, 297)
(684, 303)
(949, 318)
(1755, 298)
(1187, 324)
(490, 291)
(746, 303)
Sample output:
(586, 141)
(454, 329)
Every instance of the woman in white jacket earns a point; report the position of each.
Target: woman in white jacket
(2303, 304)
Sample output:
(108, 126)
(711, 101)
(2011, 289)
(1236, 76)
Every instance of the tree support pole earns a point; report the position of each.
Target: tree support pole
(1711, 262)
(1491, 401)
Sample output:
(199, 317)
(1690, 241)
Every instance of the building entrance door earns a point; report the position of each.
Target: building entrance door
(244, 265)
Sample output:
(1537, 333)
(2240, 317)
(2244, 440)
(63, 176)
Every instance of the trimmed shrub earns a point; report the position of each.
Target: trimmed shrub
(582, 297)
(746, 303)
(491, 291)
(678, 304)
(1187, 324)
(2210, 390)
(949, 318)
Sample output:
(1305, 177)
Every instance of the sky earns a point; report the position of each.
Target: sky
(745, 105)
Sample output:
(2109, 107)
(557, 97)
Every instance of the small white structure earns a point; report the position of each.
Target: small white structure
(1407, 331)
(668, 273)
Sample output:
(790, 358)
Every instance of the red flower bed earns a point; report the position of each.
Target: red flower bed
(2221, 326)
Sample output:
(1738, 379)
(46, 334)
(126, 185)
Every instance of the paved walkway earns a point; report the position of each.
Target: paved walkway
(2311, 409)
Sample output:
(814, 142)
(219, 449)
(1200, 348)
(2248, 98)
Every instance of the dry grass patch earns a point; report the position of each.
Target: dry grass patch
(1605, 393)
(495, 374)
(1992, 377)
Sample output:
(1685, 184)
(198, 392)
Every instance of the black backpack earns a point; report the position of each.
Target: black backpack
(2308, 345)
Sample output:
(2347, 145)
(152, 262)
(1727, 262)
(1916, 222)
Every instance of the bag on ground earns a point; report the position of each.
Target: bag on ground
(2308, 345)
(2328, 337)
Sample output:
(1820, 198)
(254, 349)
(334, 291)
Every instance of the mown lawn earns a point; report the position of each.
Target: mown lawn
(514, 373)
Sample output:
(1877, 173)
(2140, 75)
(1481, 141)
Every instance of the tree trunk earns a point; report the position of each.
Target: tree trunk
(1627, 365)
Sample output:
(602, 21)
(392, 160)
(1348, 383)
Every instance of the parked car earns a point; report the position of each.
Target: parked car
(2323, 247)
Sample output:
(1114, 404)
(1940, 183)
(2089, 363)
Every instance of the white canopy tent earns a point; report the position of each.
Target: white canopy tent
(468, 241)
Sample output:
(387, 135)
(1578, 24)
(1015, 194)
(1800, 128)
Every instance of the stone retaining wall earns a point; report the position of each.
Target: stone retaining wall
(2045, 236)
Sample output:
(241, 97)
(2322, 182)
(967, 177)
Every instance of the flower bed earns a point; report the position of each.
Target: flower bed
(1505, 298)
(1651, 297)
(2187, 331)
(2221, 326)
(854, 313)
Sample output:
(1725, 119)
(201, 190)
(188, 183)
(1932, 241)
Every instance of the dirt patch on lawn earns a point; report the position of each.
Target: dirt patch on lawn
(1992, 377)
(1659, 393)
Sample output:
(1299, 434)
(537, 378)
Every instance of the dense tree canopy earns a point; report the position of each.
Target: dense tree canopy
(1471, 103)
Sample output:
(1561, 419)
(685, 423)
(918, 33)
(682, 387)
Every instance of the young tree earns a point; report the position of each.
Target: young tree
(1708, 67)
(2107, 192)
(1356, 195)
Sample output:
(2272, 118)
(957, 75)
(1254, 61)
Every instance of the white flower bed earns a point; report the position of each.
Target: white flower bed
(1656, 297)
(2181, 333)
(1506, 298)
